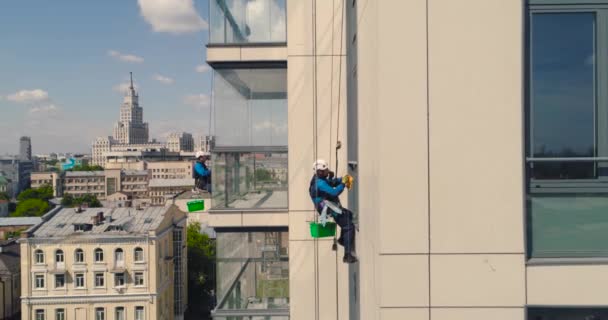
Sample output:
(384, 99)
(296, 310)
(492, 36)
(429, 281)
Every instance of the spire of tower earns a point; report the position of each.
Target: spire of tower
(131, 87)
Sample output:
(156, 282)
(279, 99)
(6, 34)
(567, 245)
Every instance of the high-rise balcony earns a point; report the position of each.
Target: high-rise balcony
(247, 22)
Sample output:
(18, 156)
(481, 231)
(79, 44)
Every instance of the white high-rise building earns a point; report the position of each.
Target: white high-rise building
(131, 129)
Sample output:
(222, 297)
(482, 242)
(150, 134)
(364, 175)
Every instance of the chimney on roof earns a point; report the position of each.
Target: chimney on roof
(98, 218)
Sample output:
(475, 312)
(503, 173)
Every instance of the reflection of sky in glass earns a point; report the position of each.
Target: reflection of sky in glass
(251, 21)
(562, 84)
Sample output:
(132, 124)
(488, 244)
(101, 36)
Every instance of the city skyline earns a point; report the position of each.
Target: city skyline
(64, 85)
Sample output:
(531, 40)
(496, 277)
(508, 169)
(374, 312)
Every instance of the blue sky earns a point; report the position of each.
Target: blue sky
(62, 61)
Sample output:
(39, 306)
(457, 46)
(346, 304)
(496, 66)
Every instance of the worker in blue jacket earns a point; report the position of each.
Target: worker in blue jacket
(202, 174)
(323, 186)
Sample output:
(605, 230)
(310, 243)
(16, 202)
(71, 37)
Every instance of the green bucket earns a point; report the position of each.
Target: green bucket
(196, 205)
(317, 230)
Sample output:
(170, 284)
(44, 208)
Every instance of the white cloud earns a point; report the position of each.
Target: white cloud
(173, 16)
(28, 96)
(124, 87)
(125, 57)
(43, 109)
(163, 79)
(202, 68)
(198, 101)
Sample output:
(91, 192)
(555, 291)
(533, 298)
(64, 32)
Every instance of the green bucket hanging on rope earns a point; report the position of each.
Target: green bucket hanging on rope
(317, 230)
(196, 205)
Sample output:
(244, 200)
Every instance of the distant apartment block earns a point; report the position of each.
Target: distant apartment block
(25, 149)
(10, 280)
(162, 190)
(180, 142)
(104, 263)
(17, 172)
(53, 179)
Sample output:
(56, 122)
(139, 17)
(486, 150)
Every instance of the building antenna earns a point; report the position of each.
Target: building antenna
(131, 74)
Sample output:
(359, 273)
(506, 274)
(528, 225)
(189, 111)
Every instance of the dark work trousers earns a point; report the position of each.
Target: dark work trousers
(347, 233)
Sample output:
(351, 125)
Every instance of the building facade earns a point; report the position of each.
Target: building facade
(131, 128)
(16, 171)
(475, 131)
(203, 143)
(105, 264)
(183, 141)
(53, 179)
(10, 280)
(162, 190)
(25, 148)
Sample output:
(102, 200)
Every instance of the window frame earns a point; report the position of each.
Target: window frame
(142, 312)
(59, 256)
(98, 253)
(122, 310)
(119, 252)
(42, 278)
(82, 276)
(135, 254)
(39, 254)
(103, 279)
(100, 311)
(39, 312)
(141, 276)
(79, 252)
(57, 277)
(568, 186)
(117, 277)
(60, 311)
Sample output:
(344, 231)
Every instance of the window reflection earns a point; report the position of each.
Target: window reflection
(562, 93)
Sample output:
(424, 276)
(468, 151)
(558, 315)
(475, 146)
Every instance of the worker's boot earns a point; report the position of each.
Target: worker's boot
(349, 258)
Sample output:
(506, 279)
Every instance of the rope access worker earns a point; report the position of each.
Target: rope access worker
(324, 191)
(202, 174)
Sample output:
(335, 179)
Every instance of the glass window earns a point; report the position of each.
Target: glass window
(79, 256)
(139, 313)
(247, 21)
(98, 255)
(99, 279)
(139, 254)
(119, 279)
(567, 141)
(39, 281)
(250, 180)
(39, 314)
(119, 255)
(100, 314)
(59, 280)
(139, 278)
(59, 314)
(120, 313)
(59, 256)
(254, 267)
(39, 256)
(563, 96)
(567, 313)
(79, 280)
(251, 107)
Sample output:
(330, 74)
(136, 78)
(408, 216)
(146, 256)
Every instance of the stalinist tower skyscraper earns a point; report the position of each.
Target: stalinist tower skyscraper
(130, 128)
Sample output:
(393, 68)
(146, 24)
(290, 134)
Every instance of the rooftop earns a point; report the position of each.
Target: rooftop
(84, 173)
(19, 221)
(136, 172)
(117, 221)
(171, 182)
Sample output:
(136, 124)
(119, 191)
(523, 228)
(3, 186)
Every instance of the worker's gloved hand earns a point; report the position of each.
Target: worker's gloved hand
(348, 181)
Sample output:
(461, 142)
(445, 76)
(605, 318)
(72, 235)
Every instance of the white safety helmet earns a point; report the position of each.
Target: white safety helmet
(201, 154)
(320, 164)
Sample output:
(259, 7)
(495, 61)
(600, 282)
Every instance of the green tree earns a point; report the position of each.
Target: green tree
(201, 272)
(45, 192)
(262, 175)
(90, 200)
(4, 196)
(87, 168)
(31, 208)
